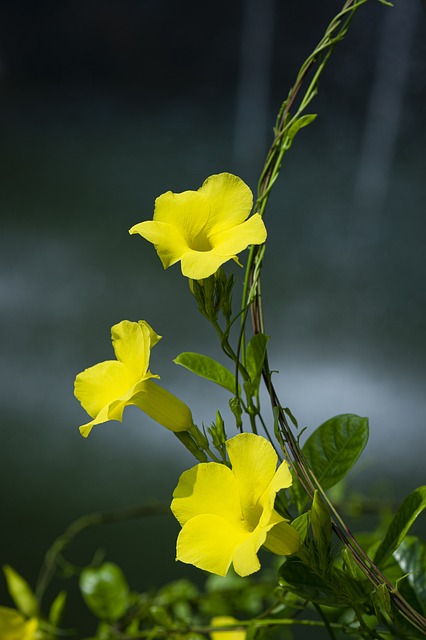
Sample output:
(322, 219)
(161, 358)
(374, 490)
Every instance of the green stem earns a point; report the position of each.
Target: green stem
(228, 350)
(249, 408)
(327, 623)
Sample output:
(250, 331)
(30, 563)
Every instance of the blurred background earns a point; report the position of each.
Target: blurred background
(106, 105)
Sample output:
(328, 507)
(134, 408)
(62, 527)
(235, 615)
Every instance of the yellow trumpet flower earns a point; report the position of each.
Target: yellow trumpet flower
(227, 514)
(105, 389)
(203, 229)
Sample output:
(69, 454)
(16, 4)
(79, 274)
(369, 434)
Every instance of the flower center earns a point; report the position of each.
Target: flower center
(252, 517)
(200, 243)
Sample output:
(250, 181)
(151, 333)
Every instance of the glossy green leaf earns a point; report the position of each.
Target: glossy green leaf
(20, 592)
(411, 557)
(407, 513)
(208, 368)
(297, 577)
(332, 450)
(255, 355)
(105, 591)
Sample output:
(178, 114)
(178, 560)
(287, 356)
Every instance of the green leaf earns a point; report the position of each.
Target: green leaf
(291, 416)
(297, 577)
(235, 406)
(301, 122)
(350, 566)
(381, 596)
(105, 591)
(332, 450)
(301, 524)
(321, 529)
(411, 557)
(21, 592)
(255, 355)
(407, 513)
(160, 615)
(208, 368)
(175, 591)
(56, 608)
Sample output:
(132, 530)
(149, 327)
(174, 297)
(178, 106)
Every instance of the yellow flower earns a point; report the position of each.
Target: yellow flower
(228, 514)
(13, 625)
(105, 389)
(205, 228)
(225, 621)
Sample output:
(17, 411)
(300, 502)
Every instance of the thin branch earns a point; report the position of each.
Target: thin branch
(86, 522)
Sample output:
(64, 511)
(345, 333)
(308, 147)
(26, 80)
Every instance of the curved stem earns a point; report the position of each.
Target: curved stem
(78, 526)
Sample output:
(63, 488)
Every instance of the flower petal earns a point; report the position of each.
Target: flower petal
(112, 411)
(201, 264)
(253, 461)
(30, 632)
(283, 539)
(187, 211)
(132, 344)
(245, 558)
(153, 336)
(167, 239)
(281, 480)
(186, 223)
(100, 385)
(207, 488)
(162, 406)
(234, 240)
(13, 625)
(208, 542)
(230, 201)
